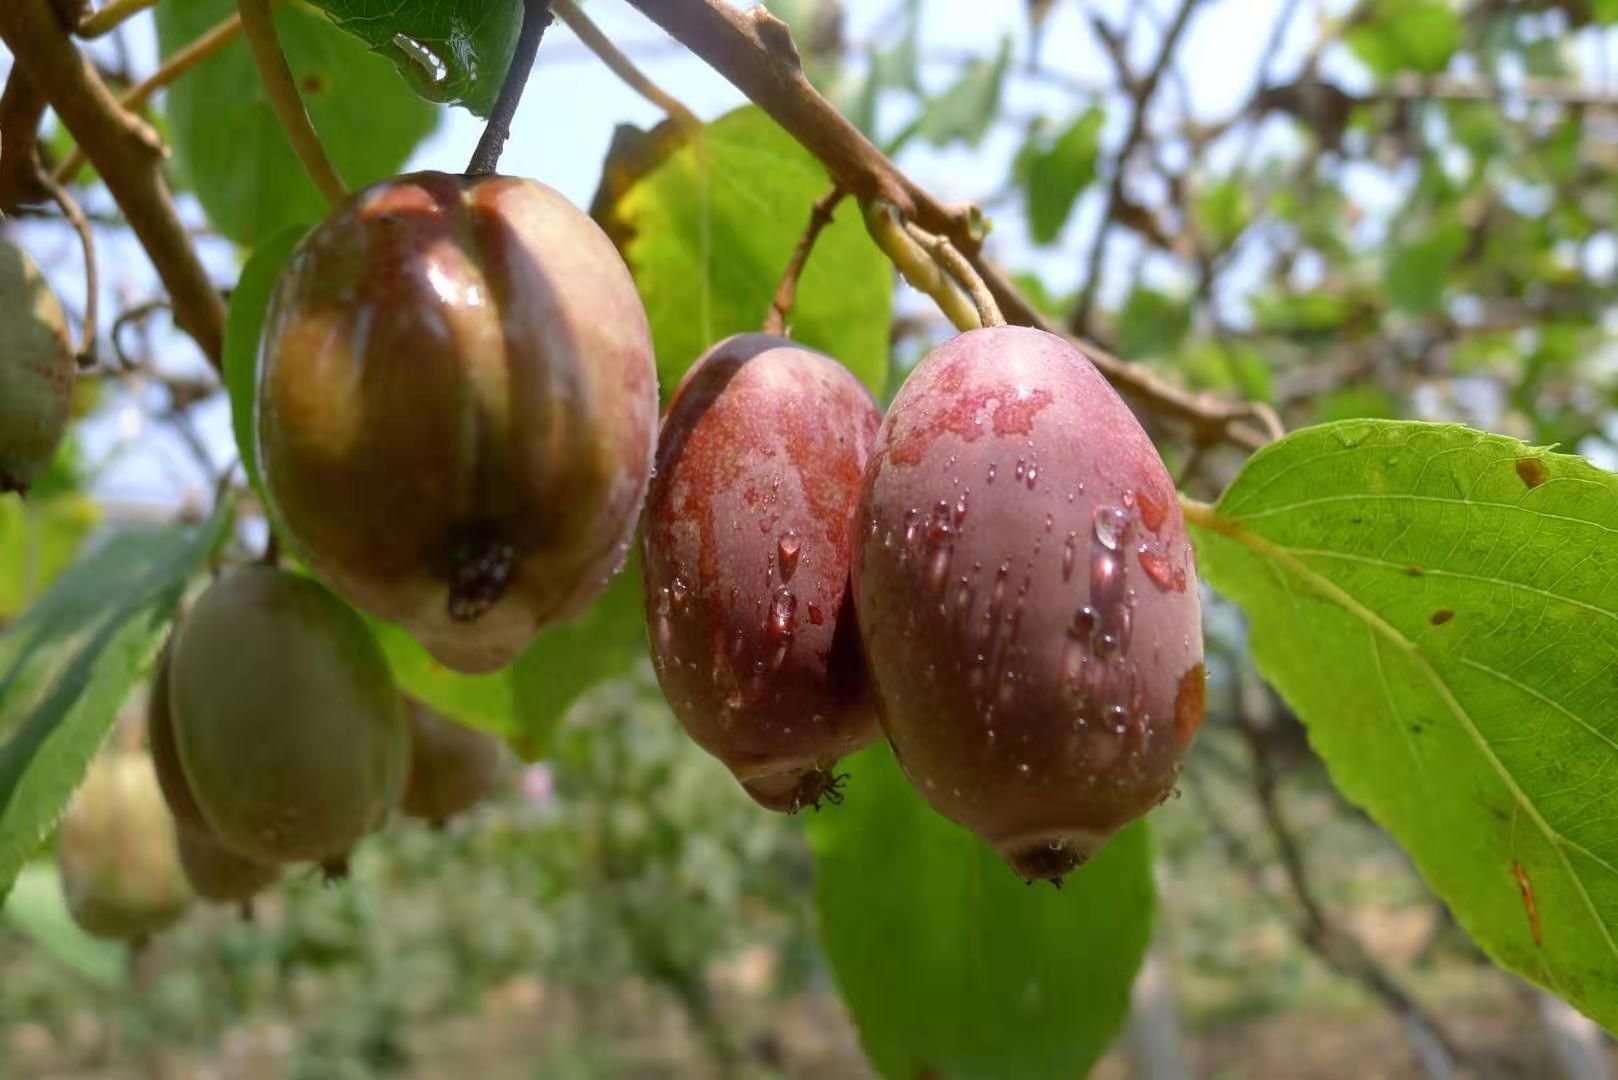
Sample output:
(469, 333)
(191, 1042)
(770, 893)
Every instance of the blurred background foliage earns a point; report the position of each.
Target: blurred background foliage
(1343, 208)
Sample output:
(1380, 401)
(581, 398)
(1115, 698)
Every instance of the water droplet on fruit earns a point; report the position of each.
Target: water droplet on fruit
(1069, 553)
(1083, 624)
(815, 615)
(1033, 474)
(679, 591)
(787, 551)
(1111, 526)
(992, 470)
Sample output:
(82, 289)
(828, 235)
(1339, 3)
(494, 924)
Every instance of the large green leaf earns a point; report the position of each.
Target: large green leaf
(448, 52)
(68, 664)
(525, 702)
(1407, 35)
(244, 322)
(711, 228)
(953, 966)
(232, 149)
(1440, 606)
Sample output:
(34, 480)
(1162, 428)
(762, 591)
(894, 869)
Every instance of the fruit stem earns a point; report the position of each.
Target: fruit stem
(536, 16)
(886, 226)
(786, 293)
(81, 225)
(962, 270)
(277, 77)
(622, 66)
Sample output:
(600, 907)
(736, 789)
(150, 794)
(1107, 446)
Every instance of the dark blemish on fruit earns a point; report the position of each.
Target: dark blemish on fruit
(1190, 702)
(1532, 472)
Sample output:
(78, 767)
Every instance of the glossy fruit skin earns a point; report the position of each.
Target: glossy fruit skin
(289, 729)
(457, 409)
(165, 754)
(218, 874)
(1028, 598)
(452, 766)
(117, 852)
(747, 541)
(37, 370)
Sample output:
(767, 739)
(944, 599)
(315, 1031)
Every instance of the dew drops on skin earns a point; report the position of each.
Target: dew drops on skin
(787, 551)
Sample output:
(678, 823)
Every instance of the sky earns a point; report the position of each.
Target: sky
(572, 105)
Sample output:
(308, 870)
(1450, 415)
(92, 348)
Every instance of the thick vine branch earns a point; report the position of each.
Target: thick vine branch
(127, 154)
(754, 50)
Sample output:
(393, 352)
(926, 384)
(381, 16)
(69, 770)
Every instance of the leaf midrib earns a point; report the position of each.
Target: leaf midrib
(1208, 517)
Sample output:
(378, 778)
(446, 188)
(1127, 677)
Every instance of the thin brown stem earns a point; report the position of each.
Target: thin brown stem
(75, 216)
(965, 275)
(536, 16)
(786, 293)
(590, 35)
(1142, 93)
(127, 154)
(182, 61)
(259, 25)
(110, 16)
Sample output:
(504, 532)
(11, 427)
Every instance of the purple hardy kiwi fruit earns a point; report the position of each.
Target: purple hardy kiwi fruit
(287, 724)
(457, 408)
(37, 370)
(117, 853)
(747, 541)
(452, 767)
(1027, 597)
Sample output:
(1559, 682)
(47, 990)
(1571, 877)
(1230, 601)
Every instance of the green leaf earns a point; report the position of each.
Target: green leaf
(37, 909)
(712, 227)
(897, 67)
(1057, 171)
(1605, 11)
(966, 110)
(1152, 323)
(1407, 35)
(1222, 211)
(244, 322)
(1440, 606)
(234, 152)
(1417, 273)
(953, 966)
(68, 664)
(525, 702)
(452, 53)
(39, 538)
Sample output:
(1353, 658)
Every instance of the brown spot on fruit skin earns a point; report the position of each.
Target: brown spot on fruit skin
(1442, 616)
(1026, 666)
(1190, 702)
(457, 409)
(747, 538)
(1532, 472)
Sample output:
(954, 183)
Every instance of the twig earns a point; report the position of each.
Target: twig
(22, 107)
(110, 16)
(126, 153)
(786, 293)
(1342, 951)
(621, 65)
(754, 50)
(917, 264)
(536, 16)
(180, 62)
(75, 217)
(1141, 99)
(944, 253)
(259, 26)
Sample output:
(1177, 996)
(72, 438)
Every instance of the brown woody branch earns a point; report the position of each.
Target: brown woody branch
(127, 154)
(786, 293)
(22, 107)
(754, 50)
